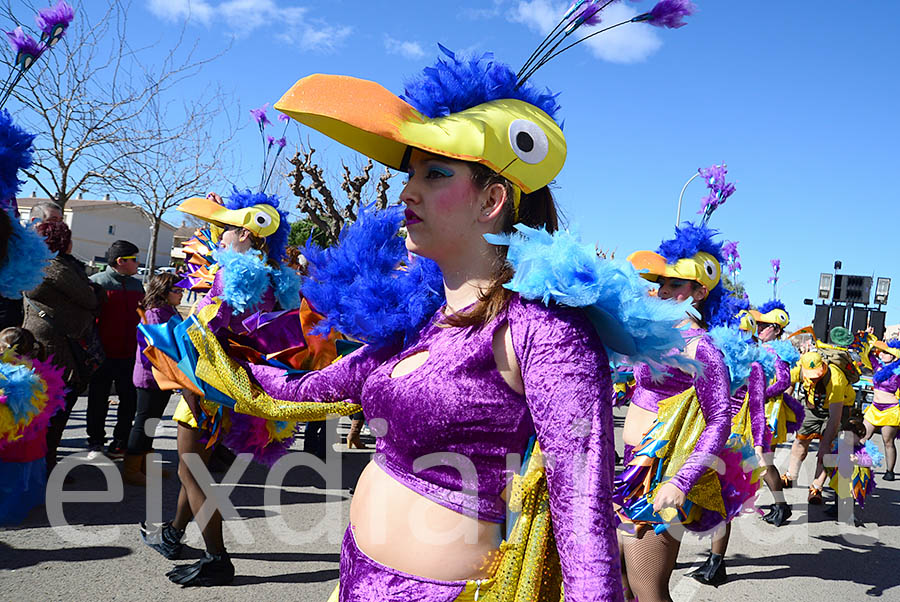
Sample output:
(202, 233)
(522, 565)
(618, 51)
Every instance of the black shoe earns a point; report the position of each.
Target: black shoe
(779, 514)
(832, 510)
(889, 475)
(165, 539)
(715, 574)
(768, 515)
(700, 569)
(206, 572)
(116, 450)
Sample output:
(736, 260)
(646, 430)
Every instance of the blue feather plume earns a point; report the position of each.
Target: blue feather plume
(770, 305)
(785, 351)
(15, 155)
(19, 385)
(277, 241)
(689, 240)
(886, 372)
(366, 286)
(560, 268)
(455, 84)
(28, 257)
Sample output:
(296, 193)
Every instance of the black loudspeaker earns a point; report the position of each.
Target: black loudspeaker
(820, 322)
(876, 321)
(838, 318)
(860, 319)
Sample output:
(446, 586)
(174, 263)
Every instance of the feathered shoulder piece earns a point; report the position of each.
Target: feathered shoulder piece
(454, 84)
(785, 351)
(247, 276)
(367, 286)
(740, 353)
(634, 326)
(15, 154)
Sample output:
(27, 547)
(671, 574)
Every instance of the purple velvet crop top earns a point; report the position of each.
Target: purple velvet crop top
(713, 393)
(450, 424)
(888, 385)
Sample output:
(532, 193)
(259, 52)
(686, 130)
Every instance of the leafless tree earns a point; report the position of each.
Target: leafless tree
(184, 161)
(83, 102)
(316, 200)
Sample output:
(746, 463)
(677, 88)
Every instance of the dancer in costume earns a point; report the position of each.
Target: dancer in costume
(749, 367)
(248, 284)
(784, 413)
(827, 395)
(884, 413)
(487, 365)
(667, 478)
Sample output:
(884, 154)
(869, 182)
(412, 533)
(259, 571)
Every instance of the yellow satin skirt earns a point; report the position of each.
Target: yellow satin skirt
(888, 417)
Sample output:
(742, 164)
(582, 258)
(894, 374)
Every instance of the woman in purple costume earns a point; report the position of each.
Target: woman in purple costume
(687, 269)
(884, 413)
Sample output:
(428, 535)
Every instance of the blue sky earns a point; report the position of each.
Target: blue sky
(799, 99)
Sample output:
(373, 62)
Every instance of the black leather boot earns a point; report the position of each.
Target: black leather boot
(715, 571)
(165, 539)
(700, 570)
(779, 514)
(211, 570)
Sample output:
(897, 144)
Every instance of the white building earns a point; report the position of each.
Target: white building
(96, 224)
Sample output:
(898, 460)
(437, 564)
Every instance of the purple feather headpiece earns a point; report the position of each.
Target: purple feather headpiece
(671, 13)
(732, 257)
(773, 279)
(455, 84)
(27, 48)
(53, 22)
(260, 117)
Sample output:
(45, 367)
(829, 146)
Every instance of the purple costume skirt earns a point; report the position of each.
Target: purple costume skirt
(364, 580)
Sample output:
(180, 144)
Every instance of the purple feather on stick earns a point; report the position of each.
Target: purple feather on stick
(54, 21)
(27, 48)
(260, 117)
(671, 13)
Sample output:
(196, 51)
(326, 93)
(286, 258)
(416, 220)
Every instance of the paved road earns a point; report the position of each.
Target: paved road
(290, 551)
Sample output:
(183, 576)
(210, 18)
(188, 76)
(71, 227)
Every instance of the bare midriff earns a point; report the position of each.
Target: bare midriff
(637, 422)
(404, 530)
(884, 398)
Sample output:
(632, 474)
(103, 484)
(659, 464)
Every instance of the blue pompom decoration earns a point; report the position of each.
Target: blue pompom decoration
(19, 384)
(245, 278)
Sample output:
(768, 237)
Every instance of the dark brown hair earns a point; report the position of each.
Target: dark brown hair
(158, 291)
(23, 343)
(538, 210)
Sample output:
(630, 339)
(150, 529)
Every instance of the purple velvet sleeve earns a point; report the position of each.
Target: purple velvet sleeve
(713, 392)
(782, 380)
(568, 390)
(873, 359)
(756, 400)
(341, 381)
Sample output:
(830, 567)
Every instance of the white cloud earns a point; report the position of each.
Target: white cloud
(627, 44)
(408, 49)
(180, 10)
(244, 17)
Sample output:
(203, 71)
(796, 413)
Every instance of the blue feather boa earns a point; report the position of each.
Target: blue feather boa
(366, 286)
(740, 354)
(874, 453)
(247, 276)
(26, 260)
(785, 351)
(560, 268)
(887, 371)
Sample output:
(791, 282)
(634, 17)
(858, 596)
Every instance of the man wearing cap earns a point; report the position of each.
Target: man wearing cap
(117, 327)
(828, 396)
